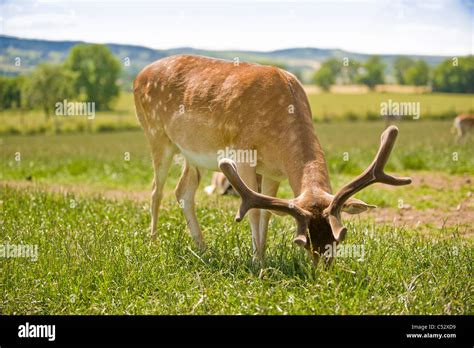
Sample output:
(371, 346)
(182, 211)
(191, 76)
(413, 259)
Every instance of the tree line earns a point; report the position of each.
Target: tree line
(90, 73)
(454, 75)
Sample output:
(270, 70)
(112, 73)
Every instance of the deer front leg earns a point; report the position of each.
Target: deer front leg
(185, 192)
(249, 177)
(269, 188)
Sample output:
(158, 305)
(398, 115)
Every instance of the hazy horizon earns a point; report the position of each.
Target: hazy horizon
(224, 50)
(436, 27)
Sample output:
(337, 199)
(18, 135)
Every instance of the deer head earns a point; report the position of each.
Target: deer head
(318, 213)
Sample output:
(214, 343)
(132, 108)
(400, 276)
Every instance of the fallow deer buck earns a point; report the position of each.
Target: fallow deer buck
(197, 106)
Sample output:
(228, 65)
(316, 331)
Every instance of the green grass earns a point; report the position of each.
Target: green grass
(420, 198)
(99, 159)
(326, 106)
(122, 117)
(94, 258)
(330, 106)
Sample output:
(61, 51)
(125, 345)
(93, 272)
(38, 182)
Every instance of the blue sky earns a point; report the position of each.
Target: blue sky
(437, 27)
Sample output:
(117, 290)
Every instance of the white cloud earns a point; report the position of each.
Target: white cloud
(422, 27)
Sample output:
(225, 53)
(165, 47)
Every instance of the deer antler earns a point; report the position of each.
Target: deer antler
(374, 173)
(252, 199)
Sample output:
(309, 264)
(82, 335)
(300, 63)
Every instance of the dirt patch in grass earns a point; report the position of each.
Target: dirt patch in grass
(139, 196)
(438, 180)
(462, 215)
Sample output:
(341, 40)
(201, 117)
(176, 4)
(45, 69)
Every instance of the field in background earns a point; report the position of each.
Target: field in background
(360, 89)
(34, 121)
(326, 107)
(99, 159)
(353, 107)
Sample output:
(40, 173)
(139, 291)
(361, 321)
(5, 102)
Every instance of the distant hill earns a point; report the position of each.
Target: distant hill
(302, 61)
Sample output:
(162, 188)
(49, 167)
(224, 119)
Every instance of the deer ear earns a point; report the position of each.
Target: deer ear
(356, 206)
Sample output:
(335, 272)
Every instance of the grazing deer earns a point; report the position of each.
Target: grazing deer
(221, 185)
(463, 124)
(198, 106)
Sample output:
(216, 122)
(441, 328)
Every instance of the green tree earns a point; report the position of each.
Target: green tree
(97, 73)
(48, 85)
(455, 75)
(401, 65)
(418, 74)
(327, 73)
(374, 72)
(11, 92)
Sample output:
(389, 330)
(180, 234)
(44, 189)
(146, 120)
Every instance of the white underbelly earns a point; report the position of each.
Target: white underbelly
(210, 161)
(201, 160)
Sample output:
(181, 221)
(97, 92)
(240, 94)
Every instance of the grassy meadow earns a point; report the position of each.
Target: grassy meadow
(353, 107)
(326, 107)
(94, 251)
(96, 259)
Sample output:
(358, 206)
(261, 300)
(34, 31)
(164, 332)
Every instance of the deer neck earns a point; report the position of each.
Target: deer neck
(309, 172)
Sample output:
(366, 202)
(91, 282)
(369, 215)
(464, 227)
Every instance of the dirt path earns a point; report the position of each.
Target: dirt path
(139, 196)
(462, 215)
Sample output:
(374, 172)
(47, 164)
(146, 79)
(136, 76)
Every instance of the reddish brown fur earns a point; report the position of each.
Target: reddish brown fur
(244, 106)
(466, 118)
(234, 105)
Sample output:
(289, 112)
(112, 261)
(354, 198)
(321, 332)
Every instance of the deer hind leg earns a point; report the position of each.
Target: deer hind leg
(460, 133)
(269, 188)
(249, 176)
(459, 130)
(185, 193)
(162, 150)
(464, 130)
